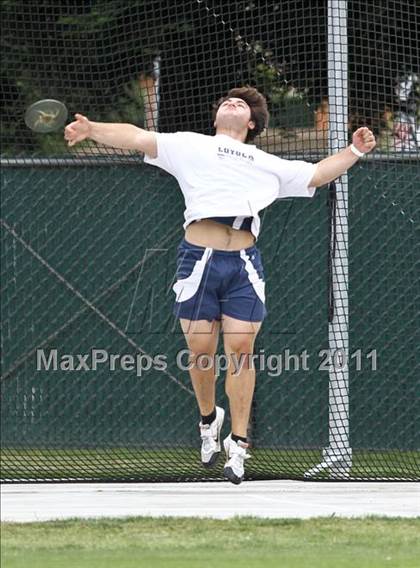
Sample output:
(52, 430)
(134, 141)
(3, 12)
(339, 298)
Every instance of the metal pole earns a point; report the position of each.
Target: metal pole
(156, 73)
(338, 456)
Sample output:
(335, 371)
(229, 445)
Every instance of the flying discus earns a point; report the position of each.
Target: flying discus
(46, 115)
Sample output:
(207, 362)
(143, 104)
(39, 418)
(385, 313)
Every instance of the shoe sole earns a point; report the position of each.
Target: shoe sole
(230, 475)
(214, 458)
(212, 461)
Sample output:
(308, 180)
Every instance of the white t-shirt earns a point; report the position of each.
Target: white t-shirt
(222, 177)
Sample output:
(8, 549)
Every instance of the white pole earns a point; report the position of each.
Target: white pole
(338, 456)
(156, 73)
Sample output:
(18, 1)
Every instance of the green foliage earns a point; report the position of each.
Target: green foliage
(129, 106)
(59, 54)
(94, 21)
(289, 106)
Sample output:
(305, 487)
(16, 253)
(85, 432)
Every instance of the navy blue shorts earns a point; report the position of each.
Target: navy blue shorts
(213, 282)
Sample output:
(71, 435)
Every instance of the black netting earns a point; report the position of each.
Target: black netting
(90, 235)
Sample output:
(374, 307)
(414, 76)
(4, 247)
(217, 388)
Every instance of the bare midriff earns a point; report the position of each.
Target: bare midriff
(207, 233)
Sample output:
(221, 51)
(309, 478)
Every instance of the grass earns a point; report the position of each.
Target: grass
(131, 464)
(144, 542)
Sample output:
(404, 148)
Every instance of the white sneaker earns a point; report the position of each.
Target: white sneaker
(235, 457)
(210, 435)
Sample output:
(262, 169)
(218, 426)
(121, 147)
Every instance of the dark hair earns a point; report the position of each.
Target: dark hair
(256, 102)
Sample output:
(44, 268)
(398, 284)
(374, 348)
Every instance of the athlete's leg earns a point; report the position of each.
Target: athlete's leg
(239, 338)
(202, 338)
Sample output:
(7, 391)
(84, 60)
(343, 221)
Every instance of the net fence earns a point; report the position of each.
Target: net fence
(94, 380)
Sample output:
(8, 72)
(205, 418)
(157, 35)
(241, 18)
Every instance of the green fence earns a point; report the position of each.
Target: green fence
(88, 258)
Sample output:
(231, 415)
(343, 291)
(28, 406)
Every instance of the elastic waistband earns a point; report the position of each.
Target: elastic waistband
(184, 243)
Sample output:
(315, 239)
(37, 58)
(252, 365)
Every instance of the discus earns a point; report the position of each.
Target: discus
(46, 116)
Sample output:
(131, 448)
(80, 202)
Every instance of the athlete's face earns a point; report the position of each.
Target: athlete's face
(234, 112)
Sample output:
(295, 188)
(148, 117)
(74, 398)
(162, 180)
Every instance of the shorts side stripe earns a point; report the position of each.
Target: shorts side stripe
(257, 283)
(187, 287)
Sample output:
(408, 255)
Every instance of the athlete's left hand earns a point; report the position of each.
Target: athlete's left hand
(364, 140)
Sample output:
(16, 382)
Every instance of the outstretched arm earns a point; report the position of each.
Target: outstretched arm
(125, 136)
(334, 166)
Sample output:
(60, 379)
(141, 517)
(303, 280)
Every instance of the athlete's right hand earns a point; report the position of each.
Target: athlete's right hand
(78, 130)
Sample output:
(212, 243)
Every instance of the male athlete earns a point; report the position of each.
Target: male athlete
(226, 182)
